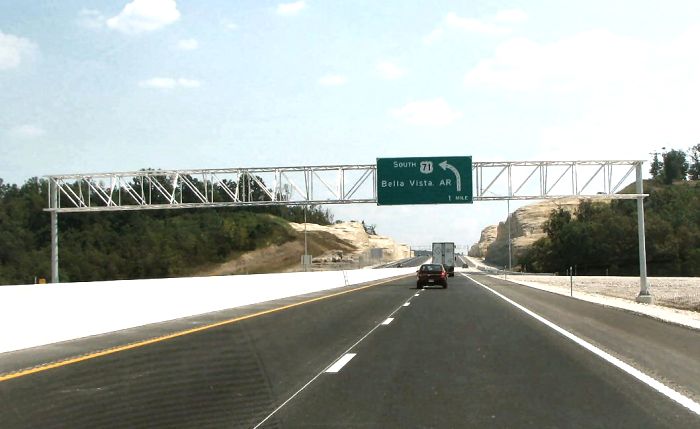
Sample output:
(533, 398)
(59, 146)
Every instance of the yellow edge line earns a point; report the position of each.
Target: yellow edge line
(117, 349)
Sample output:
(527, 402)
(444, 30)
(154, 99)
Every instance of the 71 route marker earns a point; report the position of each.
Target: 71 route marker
(420, 181)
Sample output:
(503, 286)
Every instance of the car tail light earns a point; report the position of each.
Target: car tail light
(442, 275)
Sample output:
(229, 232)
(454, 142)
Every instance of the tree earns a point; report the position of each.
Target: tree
(656, 167)
(137, 244)
(557, 220)
(694, 168)
(675, 166)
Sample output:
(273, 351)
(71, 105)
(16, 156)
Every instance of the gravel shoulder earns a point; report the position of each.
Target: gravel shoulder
(620, 292)
(676, 299)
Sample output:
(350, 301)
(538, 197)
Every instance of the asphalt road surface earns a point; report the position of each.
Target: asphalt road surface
(407, 262)
(400, 358)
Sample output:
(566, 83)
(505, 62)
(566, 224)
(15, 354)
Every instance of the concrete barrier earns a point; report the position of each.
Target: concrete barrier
(33, 315)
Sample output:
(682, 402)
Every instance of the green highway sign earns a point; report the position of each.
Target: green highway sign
(427, 180)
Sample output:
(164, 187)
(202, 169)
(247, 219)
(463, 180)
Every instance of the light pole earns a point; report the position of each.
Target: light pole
(510, 258)
(309, 192)
(306, 246)
(53, 195)
(644, 292)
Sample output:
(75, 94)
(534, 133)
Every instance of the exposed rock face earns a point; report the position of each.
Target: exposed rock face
(488, 236)
(335, 247)
(354, 234)
(526, 227)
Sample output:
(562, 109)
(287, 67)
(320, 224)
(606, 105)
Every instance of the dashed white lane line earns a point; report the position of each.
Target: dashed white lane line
(308, 383)
(340, 363)
(387, 321)
(634, 372)
(406, 304)
(416, 294)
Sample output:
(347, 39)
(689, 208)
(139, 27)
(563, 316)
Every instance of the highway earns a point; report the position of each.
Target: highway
(414, 261)
(379, 355)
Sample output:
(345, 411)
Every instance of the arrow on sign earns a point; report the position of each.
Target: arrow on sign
(452, 168)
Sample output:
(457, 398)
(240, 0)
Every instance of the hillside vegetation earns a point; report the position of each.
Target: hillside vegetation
(601, 238)
(134, 244)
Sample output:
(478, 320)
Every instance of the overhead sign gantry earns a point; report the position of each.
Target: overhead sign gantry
(426, 180)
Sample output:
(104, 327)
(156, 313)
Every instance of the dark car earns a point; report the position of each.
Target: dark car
(431, 274)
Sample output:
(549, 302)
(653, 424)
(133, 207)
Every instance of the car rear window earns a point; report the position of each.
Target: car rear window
(432, 267)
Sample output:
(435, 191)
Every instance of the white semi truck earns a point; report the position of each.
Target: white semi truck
(444, 253)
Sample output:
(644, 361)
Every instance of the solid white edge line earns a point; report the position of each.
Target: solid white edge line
(340, 363)
(639, 375)
(322, 372)
(387, 321)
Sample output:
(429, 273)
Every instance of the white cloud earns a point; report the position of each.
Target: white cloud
(489, 27)
(169, 83)
(144, 15)
(452, 20)
(291, 8)
(159, 82)
(584, 61)
(432, 113)
(628, 96)
(434, 36)
(14, 50)
(627, 127)
(333, 80)
(229, 25)
(189, 83)
(511, 16)
(187, 44)
(90, 18)
(389, 70)
(27, 131)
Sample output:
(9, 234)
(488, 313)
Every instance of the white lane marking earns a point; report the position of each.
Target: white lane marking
(417, 294)
(387, 321)
(406, 304)
(634, 372)
(322, 372)
(340, 363)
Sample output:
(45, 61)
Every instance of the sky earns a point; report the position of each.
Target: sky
(99, 86)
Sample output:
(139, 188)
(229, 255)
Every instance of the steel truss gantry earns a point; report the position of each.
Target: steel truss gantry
(171, 189)
(315, 185)
(337, 184)
(538, 180)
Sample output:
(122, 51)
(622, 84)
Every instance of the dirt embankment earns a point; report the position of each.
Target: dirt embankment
(341, 246)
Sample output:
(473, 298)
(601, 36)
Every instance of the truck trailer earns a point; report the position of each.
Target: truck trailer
(444, 253)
